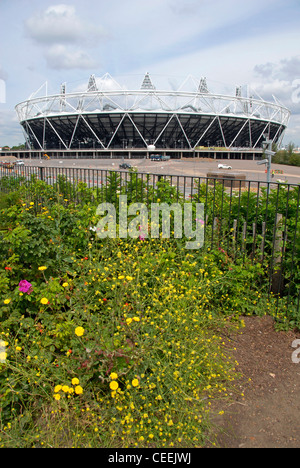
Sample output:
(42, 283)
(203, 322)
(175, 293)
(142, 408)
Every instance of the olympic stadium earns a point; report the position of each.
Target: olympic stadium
(107, 117)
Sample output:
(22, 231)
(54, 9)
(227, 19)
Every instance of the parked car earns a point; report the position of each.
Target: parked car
(19, 163)
(224, 166)
(125, 166)
(156, 158)
(159, 157)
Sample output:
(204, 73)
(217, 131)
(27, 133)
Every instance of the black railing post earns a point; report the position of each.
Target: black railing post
(41, 170)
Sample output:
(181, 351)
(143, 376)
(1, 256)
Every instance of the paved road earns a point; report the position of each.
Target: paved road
(188, 167)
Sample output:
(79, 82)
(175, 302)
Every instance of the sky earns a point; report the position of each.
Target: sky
(230, 42)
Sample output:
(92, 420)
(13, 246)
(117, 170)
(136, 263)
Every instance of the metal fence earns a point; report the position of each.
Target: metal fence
(242, 217)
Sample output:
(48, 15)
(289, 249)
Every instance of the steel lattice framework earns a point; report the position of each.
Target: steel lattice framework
(107, 116)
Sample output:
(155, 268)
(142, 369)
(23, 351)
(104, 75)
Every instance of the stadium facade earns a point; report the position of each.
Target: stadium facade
(106, 116)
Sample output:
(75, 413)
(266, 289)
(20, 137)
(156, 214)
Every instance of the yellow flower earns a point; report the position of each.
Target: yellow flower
(65, 388)
(78, 390)
(42, 268)
(114, 385)
(75, 381)
(79, 331)
(57, 396)
(7, 301)
(135, 383)
(44, 301)
(113, 376)
(57, 388)
(129, 278)
(65, 285)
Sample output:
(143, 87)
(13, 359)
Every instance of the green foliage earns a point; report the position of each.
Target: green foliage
(287, 156)
(97, 349)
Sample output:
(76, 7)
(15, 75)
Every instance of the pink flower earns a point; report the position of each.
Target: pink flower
(200, 221)
(25, 287)
(142, 235)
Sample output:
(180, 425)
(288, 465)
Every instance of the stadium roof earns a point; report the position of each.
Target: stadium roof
(107, 113)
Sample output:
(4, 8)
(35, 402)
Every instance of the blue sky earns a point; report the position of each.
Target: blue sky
(231, 42)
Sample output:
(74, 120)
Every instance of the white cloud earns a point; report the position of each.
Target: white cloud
(183, 26)
(64, 37)
(281, 79)
(285, 69)
(60, 57)
(56, 24)
(59, 24)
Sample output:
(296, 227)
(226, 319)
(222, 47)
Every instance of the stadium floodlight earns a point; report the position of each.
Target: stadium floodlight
(263, 161)
(269, 153)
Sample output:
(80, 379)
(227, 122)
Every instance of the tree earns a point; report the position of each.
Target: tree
(287, 156)
(20, 146)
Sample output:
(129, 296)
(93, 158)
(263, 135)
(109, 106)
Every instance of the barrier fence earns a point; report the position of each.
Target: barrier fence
(241, 217)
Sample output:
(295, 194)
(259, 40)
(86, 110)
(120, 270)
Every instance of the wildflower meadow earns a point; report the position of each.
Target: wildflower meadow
(114, 342)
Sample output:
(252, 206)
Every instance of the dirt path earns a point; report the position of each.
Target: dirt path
(268, 416)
